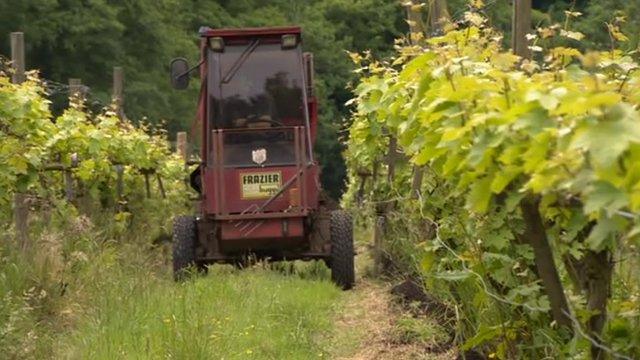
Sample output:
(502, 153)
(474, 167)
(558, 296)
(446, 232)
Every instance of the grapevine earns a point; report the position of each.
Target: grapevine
(32, 138)
(521, 157)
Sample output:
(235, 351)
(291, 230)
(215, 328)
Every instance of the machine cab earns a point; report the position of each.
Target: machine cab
(258, 119)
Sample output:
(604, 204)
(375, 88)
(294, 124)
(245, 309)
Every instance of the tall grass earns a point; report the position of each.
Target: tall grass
(225, 315)
(100, 288)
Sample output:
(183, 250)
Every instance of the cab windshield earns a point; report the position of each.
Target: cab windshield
(255, 83)
(259, 87)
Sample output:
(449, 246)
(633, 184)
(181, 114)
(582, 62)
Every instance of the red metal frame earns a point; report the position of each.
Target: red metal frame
(250, 32)
(280, 217)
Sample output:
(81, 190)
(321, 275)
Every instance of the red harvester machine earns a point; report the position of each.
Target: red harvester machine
(258, 181)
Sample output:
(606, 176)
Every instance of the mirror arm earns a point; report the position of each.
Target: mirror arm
(190, 70)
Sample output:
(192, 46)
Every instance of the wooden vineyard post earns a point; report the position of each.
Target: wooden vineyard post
(76, 90)
(21, 207)
(17, 57)
(118, 91)
(438, 15)
(147, 186)
(118, 100)
(416, 182)
(392, 157)
(181, 149)
(382, 209)
(520, 27)
(119, 186)
(68, 179)
(415, 27)
(414, 19)
(76, 96)
(378, 232)
(161, 186)
(181, 145)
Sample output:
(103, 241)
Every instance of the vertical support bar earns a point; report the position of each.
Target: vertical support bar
(416, 183)
(414, 19)
(303, 176)
(222, 173)
(17, 57)
(213, 160)
(307, 116)
(392, 156)
(68, 185)
(375, 171)
(118, 91)
(378, 232)
(309, 70)
(439, 14)
(147, 186)
(299, 165)
(21, 207)
(119, 186)
(21, 219)
(161, 186)
(76, 92)
(521, 26)
(181, 145)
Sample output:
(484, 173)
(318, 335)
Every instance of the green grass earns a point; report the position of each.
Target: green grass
(90, 291)
(422, 331)
(225, 315)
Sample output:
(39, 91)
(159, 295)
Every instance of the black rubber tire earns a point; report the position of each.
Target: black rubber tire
(184, 246)
(342, 254)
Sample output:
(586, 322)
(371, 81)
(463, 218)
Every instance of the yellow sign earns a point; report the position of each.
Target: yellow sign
(260, 185)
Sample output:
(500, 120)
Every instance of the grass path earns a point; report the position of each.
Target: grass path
(371, 312)
(373, 326)
(228, 314)
(135, 311)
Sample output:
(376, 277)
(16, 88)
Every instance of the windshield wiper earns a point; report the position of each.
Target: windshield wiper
(238, 63)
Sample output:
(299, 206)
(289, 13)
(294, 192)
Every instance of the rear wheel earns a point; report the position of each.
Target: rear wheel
(342, 266)
(184, 245)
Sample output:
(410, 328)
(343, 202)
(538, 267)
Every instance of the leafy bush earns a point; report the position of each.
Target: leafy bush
(531, 188)
(32, 140)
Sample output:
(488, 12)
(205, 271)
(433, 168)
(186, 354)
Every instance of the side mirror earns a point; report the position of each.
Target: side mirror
(179, 73)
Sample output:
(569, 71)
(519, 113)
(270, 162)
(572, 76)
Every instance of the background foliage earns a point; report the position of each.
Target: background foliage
(74, 38)
(85, 39)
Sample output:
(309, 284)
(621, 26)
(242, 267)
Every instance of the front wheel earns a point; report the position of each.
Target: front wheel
(184, 245)
(342, 254)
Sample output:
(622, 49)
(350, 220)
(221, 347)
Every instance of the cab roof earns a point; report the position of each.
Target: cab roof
(249, 32)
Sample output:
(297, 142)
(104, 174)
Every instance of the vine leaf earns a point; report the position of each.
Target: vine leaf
(603, 233)
(503, 178)
(480, 195)
(604, 196)
(607, 140)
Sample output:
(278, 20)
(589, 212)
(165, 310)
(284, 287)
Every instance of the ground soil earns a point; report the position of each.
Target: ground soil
(370, 317)
(372, 311)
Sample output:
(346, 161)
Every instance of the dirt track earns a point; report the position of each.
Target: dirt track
(372, 317)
